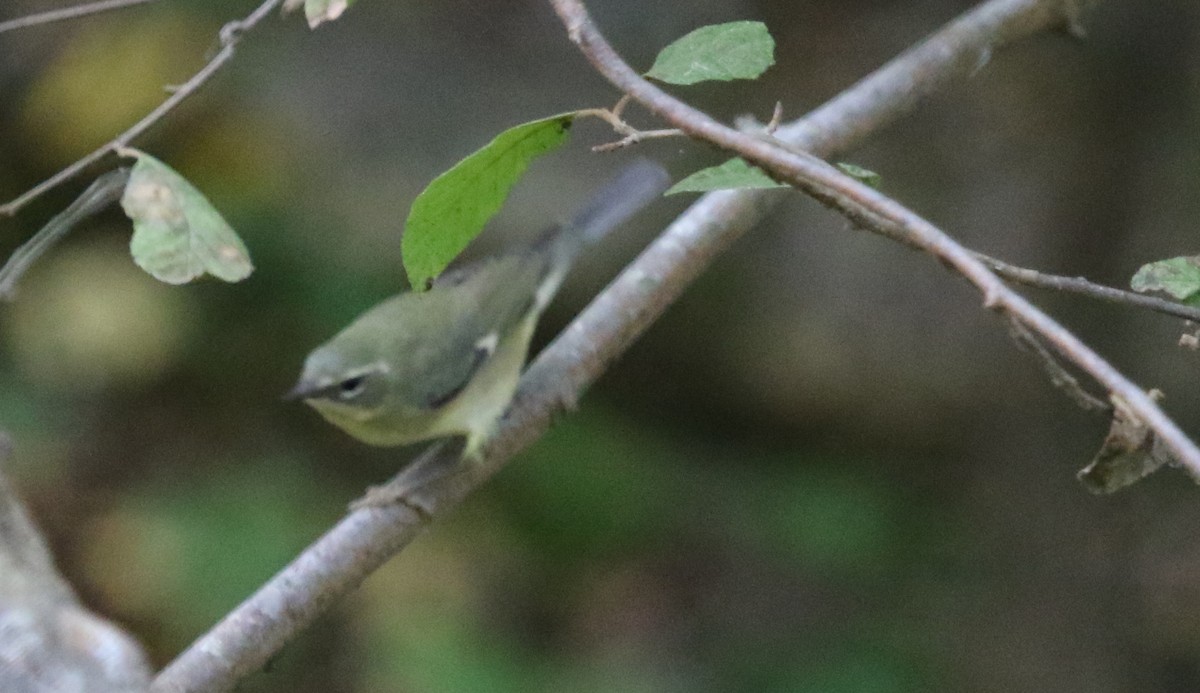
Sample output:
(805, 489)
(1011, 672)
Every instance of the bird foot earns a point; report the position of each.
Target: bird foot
(416, 485)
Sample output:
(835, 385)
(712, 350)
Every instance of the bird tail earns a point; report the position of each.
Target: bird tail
(636, 186)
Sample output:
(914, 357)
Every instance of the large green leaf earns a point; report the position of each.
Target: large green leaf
(177, 234)
(454, 208)
(737, 50)
(735, 174)
(1178, 276)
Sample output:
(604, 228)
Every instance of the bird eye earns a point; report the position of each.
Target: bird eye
(352, 387)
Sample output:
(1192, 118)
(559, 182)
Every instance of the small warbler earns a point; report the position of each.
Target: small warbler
(445, 362)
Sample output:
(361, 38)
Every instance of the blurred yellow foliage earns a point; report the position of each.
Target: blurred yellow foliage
(133, 559)
(240, 159)
(88, 317)
(108, 76)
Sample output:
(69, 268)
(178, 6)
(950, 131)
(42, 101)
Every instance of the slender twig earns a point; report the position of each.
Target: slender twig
(249, 636)
(631, 134)
(230, 34)
(613, 116)
(101, 193)
(81, 10)
(1059, 377)
(871, 210)
(776, 119)
(636, 137)
(1083, 287)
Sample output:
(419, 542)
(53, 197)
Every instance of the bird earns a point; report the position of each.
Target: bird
(446, 362)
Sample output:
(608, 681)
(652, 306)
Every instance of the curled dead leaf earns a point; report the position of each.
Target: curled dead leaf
(1130, 452)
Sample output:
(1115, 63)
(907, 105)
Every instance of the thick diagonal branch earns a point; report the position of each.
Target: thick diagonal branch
(243, 641)
(875, 212)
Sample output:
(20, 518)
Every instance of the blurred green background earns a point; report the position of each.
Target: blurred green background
(826, 469)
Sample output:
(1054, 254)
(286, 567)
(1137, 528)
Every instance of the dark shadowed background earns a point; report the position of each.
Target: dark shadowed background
(825, 469)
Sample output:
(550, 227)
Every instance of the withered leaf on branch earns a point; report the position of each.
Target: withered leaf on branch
(1130, 452)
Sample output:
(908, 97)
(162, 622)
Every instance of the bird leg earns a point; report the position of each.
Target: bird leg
(415, 486)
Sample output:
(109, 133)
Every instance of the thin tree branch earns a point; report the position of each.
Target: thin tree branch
(101, 193)
(1059, 377)
(73, 12)
(636, 137)
(230, 34)
(245, 639)
(875, 212)
(1083, 287)
(631, 134)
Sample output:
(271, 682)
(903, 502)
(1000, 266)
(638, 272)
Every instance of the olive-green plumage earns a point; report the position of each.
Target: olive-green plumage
(446, 361)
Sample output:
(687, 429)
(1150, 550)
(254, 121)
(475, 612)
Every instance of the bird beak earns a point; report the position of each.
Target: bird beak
(302, 391)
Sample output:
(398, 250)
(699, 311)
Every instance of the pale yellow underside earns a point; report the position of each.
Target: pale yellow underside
(473, 413)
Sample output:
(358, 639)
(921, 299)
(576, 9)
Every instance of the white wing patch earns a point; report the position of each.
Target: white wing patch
(488, 343)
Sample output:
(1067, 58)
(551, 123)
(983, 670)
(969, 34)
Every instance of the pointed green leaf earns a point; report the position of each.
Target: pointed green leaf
(737, 50)
(454, 208)
(177, 234)
(735, 173)
(1178, 276)
(862, 175)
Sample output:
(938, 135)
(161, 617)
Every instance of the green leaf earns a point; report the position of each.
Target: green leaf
(177, 234)
(317, 12)
(862, 175)
(735, 173)
(737, 50)
(1178, 276)
(454, 208)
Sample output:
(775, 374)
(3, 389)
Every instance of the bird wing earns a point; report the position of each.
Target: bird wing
(491, 297)
(488, 300)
